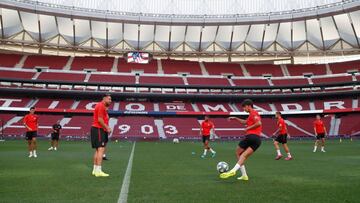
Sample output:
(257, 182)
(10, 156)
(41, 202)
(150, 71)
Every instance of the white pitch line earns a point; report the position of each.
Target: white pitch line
(123, 196)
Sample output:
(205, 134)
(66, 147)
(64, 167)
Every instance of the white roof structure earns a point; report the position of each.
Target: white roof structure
(330, 28)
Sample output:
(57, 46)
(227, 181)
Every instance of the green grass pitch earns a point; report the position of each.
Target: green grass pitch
(167, 172)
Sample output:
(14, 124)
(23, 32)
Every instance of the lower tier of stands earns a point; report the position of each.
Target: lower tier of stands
(150, 127)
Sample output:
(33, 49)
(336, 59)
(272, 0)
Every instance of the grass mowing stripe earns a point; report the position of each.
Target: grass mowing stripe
(126, 182)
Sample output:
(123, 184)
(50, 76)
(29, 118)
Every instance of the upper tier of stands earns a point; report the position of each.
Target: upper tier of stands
(264, 69)
(101, 64)
(169, 72)
(296, 70)
(175, 67)
(53, 62)
(166, 66)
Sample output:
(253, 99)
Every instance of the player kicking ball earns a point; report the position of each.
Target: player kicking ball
(206, 127)
(281, 138)
(320, 133)
(250, 143)
(99, 134)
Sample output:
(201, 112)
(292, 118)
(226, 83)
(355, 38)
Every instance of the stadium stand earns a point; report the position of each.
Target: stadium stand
(264, 69)
(121, 79)
(54, 76)
(223, 68)
(9, 60)
(16, 74)
(329, 80)
(101, 64)
(51, 62)
(175, 67)
(250, 82)
(298, 70)
(161, 80)
(343, 67)
(125, 67)
(208, 81)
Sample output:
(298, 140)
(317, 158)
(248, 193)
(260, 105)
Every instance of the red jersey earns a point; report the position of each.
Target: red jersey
(282, 126)
(253, 118)
(100, 111)
(319, 126)
(206, 127)
(31, 120)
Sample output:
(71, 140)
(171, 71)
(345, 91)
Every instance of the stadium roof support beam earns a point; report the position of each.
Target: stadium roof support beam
(353, 29)
(2, 24)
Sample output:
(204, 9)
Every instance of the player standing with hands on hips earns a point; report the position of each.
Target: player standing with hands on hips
(99, 134)
(250, 143)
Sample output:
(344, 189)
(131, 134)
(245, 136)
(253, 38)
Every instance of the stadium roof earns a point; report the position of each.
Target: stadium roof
(330, 29)
(193, 7)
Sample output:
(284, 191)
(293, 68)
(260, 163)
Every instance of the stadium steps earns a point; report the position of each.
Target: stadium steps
(244, 70)
(203, 69)
(69, 63)
(115, 65)
(160, 69)
(21, 62)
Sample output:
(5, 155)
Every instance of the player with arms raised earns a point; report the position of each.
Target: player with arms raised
(281, 137)
(99, 134)
(205, 130)
(250, 143)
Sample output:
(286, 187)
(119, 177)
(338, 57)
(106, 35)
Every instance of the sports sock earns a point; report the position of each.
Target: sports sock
(236, 168)
(212, 151)
(243, 170)
(34, 151)
(315, 148)
(94, 168)
(99, 169)
(278, 152)
(205, 150)
(288, 154)
(322, 148)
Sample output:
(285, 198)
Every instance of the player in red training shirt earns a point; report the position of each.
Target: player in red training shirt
(282, 134)
(320, 133)
(99, 134)
(31, 124)
(205, 130)
(250, 143)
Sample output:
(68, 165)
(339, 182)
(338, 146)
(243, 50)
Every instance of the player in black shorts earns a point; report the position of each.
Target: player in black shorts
(250, 143)
(31, 123)
(99, 134)
(55, 136)
(282, 135)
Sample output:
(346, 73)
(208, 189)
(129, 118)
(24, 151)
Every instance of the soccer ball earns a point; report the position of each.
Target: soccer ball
(222, 167)
(175, 140)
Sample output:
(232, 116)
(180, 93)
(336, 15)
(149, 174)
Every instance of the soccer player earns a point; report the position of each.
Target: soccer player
(31, 124)
(55, 136)
(320, 132)
(205, 130)
(281, 138)
(250, 143)
(99, 134)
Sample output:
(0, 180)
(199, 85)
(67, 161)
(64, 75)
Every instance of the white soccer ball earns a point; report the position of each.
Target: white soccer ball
(175, 140)
(222, 167)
